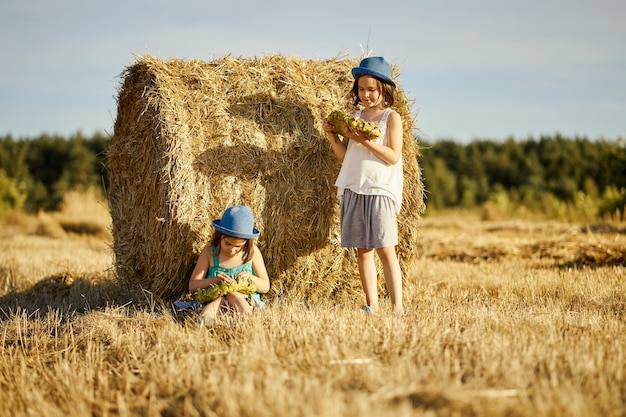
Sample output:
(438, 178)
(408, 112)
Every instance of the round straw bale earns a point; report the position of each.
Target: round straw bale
(193, 137)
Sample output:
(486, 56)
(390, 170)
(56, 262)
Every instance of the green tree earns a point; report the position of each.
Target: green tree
(440, 184)
(12, 193)
(79, 172)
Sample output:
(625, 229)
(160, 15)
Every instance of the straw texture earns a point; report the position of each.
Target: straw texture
(194, 137)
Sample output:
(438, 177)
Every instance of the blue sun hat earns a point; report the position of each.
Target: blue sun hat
(237, 221)
(377, 67)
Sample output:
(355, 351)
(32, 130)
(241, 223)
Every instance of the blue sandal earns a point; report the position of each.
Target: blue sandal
(368, 310)
(187, 305)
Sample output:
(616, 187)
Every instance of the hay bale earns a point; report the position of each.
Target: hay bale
(192, 138)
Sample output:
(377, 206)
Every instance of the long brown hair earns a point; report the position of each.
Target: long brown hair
(248, 248)
(387, 90)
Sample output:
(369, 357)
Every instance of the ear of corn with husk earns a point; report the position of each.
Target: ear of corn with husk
(208, 294)
(340, 120)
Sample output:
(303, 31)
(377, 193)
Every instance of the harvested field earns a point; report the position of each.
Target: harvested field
(506, 318)
(541, 243)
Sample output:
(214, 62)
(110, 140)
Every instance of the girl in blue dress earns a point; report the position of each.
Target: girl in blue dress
(231, 254)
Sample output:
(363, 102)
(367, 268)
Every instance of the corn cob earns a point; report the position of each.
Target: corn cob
(339, 120)
(215, 291)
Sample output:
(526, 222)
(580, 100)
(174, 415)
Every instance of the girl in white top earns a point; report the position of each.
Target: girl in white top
(370, 181)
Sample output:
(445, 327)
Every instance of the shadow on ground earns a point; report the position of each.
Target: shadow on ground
(68, 292)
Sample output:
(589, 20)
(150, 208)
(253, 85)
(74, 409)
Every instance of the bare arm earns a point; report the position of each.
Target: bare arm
(391, 152)
(261, 279)
(337, 144)
(197, 280)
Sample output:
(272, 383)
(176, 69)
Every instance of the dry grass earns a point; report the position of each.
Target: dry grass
(507, 318)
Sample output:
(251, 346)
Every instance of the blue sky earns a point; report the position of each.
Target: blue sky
(475, 69)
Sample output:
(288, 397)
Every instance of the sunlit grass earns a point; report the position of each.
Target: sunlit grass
(504, 318)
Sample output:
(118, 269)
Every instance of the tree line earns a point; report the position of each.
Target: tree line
(551, 174)
(35, 173)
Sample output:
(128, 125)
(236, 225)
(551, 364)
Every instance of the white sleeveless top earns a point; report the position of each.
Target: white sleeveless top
(364, 173)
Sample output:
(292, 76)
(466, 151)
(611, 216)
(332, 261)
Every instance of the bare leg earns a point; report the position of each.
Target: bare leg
(213, 308)
(238, 301)
(367, 271)
(393, 275)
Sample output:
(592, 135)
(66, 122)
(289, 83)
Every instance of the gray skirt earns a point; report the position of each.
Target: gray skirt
(367, 221)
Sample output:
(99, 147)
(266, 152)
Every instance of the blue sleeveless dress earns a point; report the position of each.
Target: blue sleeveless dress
(232, 272)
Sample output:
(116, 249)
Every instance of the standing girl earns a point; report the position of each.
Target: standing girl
(370, 181)
(231, 255)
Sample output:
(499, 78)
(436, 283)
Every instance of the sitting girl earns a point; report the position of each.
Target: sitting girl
(231, 255)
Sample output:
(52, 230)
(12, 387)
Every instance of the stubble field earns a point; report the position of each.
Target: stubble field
(509, 317)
